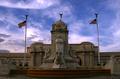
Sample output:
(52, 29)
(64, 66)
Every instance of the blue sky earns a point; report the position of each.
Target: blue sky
(76, 14)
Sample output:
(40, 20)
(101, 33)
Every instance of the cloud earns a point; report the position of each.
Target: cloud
(35, 34)
(75, 30)
(114, 27)
(77, 38)
(15, 42)
(33, 4)
(12, 43)
(76, 26)
(114, 5)
(1, 40)
(16, 46)
(4, 35)
(53, 13)
(9, 20)
(111, 47)
(4, 51)
(50, 9)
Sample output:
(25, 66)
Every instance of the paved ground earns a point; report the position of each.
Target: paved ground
(24, 77)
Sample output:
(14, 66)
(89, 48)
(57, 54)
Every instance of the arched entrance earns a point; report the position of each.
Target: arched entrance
(79, 61)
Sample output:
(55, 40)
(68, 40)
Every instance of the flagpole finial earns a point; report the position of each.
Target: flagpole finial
(96, 14)
(26, 16)
(61, 14)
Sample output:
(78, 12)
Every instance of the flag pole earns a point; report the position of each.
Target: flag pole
(98, 38)
(25, 50)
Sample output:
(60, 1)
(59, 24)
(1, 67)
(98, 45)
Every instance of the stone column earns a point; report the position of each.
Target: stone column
(91, 59)
(83, 58)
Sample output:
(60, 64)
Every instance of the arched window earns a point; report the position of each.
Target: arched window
(20, 63)
(26, 64)
(80, 62)
(14, 63)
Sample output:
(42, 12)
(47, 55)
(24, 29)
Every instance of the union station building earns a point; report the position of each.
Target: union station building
(61, 54)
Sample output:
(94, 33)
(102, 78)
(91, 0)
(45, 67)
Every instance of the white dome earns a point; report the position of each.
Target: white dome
(59, 25)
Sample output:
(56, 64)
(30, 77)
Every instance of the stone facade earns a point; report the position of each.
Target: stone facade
(60, 54)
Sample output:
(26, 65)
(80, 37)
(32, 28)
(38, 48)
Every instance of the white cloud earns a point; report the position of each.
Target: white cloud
(113, 4)
(114, 28)
(75, 29)
(111, 47)
(77, 38)
(74, 32)
(117, 34)
(15, 43)
(14, 48)
(40, 34)
(33, 4)
(76, 26)
(9, 21)
(10, 43)
(54, 12)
